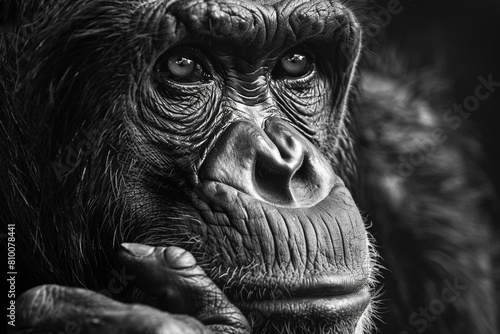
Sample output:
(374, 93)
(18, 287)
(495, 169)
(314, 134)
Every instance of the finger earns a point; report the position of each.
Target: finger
(57, 309)
(182, 286)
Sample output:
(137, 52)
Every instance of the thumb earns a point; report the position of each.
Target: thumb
(172, 275)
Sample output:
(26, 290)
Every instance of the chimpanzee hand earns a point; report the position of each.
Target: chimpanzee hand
(170, 273)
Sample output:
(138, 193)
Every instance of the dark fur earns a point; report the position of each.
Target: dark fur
(431, 226)
(434, 224)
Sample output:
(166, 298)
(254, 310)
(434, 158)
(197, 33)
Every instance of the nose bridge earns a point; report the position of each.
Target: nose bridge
(250, 89)
(247, 78)
(249, 100)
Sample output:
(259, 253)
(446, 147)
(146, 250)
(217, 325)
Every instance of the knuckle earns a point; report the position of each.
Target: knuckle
(39, 295)
(36, 304)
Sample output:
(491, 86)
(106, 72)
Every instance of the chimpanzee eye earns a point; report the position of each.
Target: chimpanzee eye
(182, 67)
(293, 64)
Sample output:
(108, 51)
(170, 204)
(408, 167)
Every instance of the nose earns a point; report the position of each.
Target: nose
(275, 164)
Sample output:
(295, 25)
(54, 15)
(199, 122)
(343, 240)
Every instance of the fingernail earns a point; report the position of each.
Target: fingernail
(138, 249)
(178, 258)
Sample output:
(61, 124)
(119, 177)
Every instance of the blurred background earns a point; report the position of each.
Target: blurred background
(465, 36)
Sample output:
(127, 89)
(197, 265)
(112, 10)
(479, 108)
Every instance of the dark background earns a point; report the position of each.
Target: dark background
(464, 36)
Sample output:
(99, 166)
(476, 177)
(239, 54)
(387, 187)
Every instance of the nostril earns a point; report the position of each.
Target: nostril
(272, 181)
(279, 183)
(304, 181)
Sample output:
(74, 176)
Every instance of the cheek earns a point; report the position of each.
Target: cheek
(188, 109)
(309, 108)
(180, 118)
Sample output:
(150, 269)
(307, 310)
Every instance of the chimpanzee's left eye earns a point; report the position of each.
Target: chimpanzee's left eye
(182, 67)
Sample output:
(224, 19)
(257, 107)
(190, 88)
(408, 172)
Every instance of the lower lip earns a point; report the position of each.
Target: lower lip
(331, 307)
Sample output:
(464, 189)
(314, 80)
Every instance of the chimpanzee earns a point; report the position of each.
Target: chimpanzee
(227, 166)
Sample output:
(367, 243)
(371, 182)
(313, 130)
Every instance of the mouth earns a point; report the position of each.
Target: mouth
(321, 298)
(322, 308)
(317, 273)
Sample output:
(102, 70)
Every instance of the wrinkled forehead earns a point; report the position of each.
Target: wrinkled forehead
(258, 25)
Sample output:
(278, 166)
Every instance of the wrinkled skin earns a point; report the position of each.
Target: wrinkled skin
(228, 141)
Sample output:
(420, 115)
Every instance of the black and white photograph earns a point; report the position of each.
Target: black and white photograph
(250, 166)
